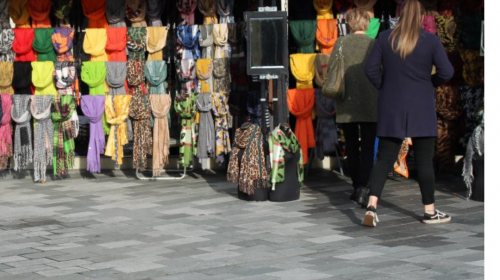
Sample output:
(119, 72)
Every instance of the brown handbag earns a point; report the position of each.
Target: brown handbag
(334, 86)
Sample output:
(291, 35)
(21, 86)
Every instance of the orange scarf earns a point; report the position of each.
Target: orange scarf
(95, 11)
(116, 43)
(323, 8)
(39, 11)
(301, 103)
(18, 11)
(327, 34)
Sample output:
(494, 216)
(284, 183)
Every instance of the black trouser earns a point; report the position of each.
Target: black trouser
(360, 152)
(388, 150)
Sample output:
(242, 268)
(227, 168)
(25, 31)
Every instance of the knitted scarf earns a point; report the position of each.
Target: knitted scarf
(42, 154)
(39, 11)
(326, 129)
(4, 15)
(95, 11)
(21, 82)
(222, 139)
(324, 9)
(136, 12)
(188, 37)
(18, 11)
(157, 39)
(43, 44)
(373, 28)
(327, 34)
(5, 131)
(93, 108)
(136, 43)
(116, 74)
(320, 69)
(115, 12)
(184, 106)
(156, 74)
(186, 73)
(221, 40)
(42, 78)
(204, 70)
(186, 9)
(95, 43)
(225, 9)
(475, 148)
(64, 143)
(207, 41)
(302, 66)
(253, 107)
(135, 77)
(23, 153)
(140, 113)
(222, 79)
(304, 33)
(252, 173)
(6, 76)
(155, 11)
(6, 40)
(62, 41)
(301, 103)
(160, 107)
(62, 10)
(117, 110)
(116, 43)
(282, 139)
(206, 134)
(94, 74)
(22, 45)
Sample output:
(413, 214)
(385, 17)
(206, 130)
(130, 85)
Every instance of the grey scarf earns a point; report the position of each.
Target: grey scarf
(44, 129)
(326, 129)
(207, 41)
(116, 74)
(4, 14)
(6, 40)
(206, 134)
(475, 148)
(225, 7)
(23, 153)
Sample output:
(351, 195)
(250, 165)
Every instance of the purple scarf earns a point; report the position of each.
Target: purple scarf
(93, 107)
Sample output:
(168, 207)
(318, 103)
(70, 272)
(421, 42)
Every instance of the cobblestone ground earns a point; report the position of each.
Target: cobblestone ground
(113, 226)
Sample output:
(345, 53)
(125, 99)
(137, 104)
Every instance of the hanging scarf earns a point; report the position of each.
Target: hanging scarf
(64, 78)
(210, 20)
(136, 12)
(18, 11)
(324, 9)
(222, 81)
(393, 21)
(399, 7)
(186, 72)
(140, 112)
(39, 11)
(186, 9)
(6, 40)
(64, 143)
(117, 110)
(95, 11)
(448, 31)
(188, 37)
(93, 108)
(62, 41)
(21, 81)
(208, 8)
(116, 74)
(254, 107)
(22, 45)
(156, 74)
(20, 113)
(320, 69)
(327, 34)
(155, 11)
(206, 134)
(222, 139)
(473, 68)
(6, 77)
(252, 173)
(62, 11)
(475, 148)
(302, 66)
(429, 24)
(43, 135)
(116, 43)
(301, 103)
(184, 106)
(95, 43)
(136, 43)
(326, 129)
(135, 77)
(304, 33)
(207, 41)
(42, 78)
(43, 44)
(157, 39)
(4, 15)
(204, 70)
(282, 139)
(94, 74)
(5, 131)
(115, 12)
(225, 8)
(160, 107)
(373, 28)
(220, 40)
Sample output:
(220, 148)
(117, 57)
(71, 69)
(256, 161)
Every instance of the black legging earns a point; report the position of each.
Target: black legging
(388, 150)
(360, 152)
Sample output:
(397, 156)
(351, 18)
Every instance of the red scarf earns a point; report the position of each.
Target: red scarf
(95, 11)
(117, 41)
(39, 11)
(22, 45)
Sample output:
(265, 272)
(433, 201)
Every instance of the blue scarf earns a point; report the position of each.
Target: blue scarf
(188, 40)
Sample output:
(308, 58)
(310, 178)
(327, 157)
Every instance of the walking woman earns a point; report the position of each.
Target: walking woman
(400, 66)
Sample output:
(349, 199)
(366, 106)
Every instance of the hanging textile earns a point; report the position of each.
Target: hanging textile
(65, 80)
(64, 134)
(186, 73)
(6, 77)
(135, 77)
(117, 110)
(140, 113)
(136, 43)
(22, 45)
(184, 106)
(6, 40)
(393, 21)
(5, 131)
(473, 67)
(136, 12)
(204, 70)
(206, 131)
(222, 80)
(474, 149)
(221, 40)
(116, 43)
(326, 129)
(80, 54)
(222, 139)
(254, 107)
(62, 42)
(115, 13)
(95, 43)
(225, 9)
(42, 44)
(156, 41)
(62, 11)
(39, 11)
(342, 26)
(4, 15)
(93, 74)
(18, 11)
(282, 139)
(373, 28)
(448, 31)
(42, 78)
(20, 113)
(301, 103)
(188, 38)
(43, 135)
(21, 80)
(186, 9)
(155, 11)
(95, 11)
(302, 66)
(321, 69)
(304, 33)
(327, 34)
(208, 8)
(252, 172)
(429, 24)
(116, 74)
(324, 9)
(93, 109)
(160, 107)
(156, 75)
(473, 101)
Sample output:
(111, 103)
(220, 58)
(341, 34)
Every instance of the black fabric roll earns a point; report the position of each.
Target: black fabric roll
(115, 11)
(21, 82)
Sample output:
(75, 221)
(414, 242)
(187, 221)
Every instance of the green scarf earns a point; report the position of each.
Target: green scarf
(43, 44)
(304, 34)
(278, 144)
(94, 75)
(63, 107)
(156, 74)
(184, 105)
(373, 28)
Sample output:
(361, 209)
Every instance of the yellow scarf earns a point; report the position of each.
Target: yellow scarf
(204, 70)
(302, 65)
(42, 78)
(18, 11)
(210, 20)
(117, 109)
(6, 75)
(324, 8)
(95, 43)
(156, 38)
(220, 39)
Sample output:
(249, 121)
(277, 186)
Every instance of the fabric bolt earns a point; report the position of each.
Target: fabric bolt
(6, 41)
(156, 41)
(220, 34)
(4, 14)
(140, 113)
(186, 73)
(116, 43)
(184, 105)
(116, 75)
(187, 36)
(221, 74)
(39, 11)
(6, 77)
(64, 78)
(62, 10)
(62, 42)
(207, 41)
(304, 34)
(155, 11)
(42, 79)
(324, 9)
(95, 11)
(473, 67)
(302, 66)
(160, 107)
(136, 12)
(222, 139)
(156, 75)
(301, 103)
(373, 28)
(40, 109)
(21, 80)
(225, 9)
(94, 74)
(21, 115)
(93, 109)
(206, 135)
(115, 12)
(117, 110)
(321, 69)
(326, 129)
(186, 9)
(326, 34)
(42, 44)
(18, 11)
(429, 24)
(5, 131)
(23, 44)
(204, 71)
(95, 43)
(135, 77)
(136, 43)
(63, 140)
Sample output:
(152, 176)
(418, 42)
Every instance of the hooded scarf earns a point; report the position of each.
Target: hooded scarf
(95, 11)
(93, 108)
(135, 77)
(39, 11)
(301, 103)
(62, 11)
(221, 74)
(304, 33)
(225, 9)
(5, 131)
(117, 110)
(43, 44)
(156, 74)
(62, 41)
(252, 172)
(116, 74)
(188, 37)
(6, 76)
(221, 40)
(95, 43)
(64, 144)
(43, 135)
(22, 45)
(155, 11)
(324, 9)
(326, 129)
(116, 43)
(18, 11)
(204, 70)
(6, 40)
(186, 74)
(136, 43)
(326, 35)
(186, 9)
(206, 133)
(207, 41)
(94, 74)
(184, 105)
(302, 66)
(160, 107)
(4, 14)
(222, 139)
(320, 69)
(140, 113)
(136, 12)
(42, 78)
(115, 13)
(20, 113)
(156, 41)
(21, 82)
(373, 28)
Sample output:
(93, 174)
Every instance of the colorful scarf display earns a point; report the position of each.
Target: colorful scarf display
(160, 107)
(326, 129)
(155, 11)
(6, 41)
(95, 43)
(188, 38)
(186, 73)
(221, 40)
(156, 75)
(93, 108)
(327, 34)
(18, 11)
(157, 39)
(222, 139)
(115, 13)
(301, 103)
(5, 131)
(304, 33)
(373, 28)
(22, 45)
(43, 135)
(117, 110)
(206, 130)
(282, 139)
(62, 12)
(94, 74)
(140, 113)
(6, 77)
(21, 81)
(42, 44)
(222, 80)
(116, 74)
(116, 43)
(186, 9)
(184, 106)
(321, 69)
(324, 9)
(62, 41)
(64, 144)
(39, 11)
(135, 77)
(136, 43)
(95, 11)
(207, 41)
(136, 12)
(302, 66)
(204, 70)
(20, 113)
(42, 78)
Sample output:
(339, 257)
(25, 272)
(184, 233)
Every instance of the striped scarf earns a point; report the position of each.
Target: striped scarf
(23, 153)
(64, 144)
(140, 113)
(42, 155)
(62, 41)
(222, 139)
(136, 43)
(160, 107)
(184, 106)
(6, 40)
(5, 131)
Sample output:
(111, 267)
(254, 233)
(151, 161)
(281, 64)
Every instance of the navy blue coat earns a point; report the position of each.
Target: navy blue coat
(406, 102)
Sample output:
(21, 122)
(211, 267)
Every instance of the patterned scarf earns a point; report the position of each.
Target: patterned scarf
(42, 155)
(208, 7)
(95, 11)
(448, 31)
(43, 44)
(94, 74)
(62, 12)
(64, 143)
(62, 41)
(222, 139)
(136, 12)
(186, 73)
(320, 69)
(116, 74)
(302, 66)
(42, 78)
(93, 108)
(117, 110)
(206, 134)
(204, 70)
(472, 100)
(400, 166)
(21, 82)
(207, 41)
(220, 40)
(326, 129)
(188, 38)
(252, 173)
(135, 77)
(39, 11)
(282, 139)
(253, 107)
(156, 74)
(301, 103)
(4, 15)
(6, 76)
(155, 11)
(184, 106)
(327, 34)
(115, 12)
(222, 79)
(136, 43)
(140, 113)
(393, 21)
(64, 78)
(157, 39)
(429, 24)
(23, 153)
(475, 148)
(22, 45)
(6, 40)
(160, 107)
(116, 43)
(324, 9)
(473, 68)
(5, 131)
(225, 9)
(304, 33)
(18, 11)
(186, 9)
(95, 43)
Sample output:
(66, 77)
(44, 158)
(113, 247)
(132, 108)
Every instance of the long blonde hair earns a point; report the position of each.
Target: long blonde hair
(405, 35)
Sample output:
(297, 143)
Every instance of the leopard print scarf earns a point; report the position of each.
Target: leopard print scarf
(140, 113)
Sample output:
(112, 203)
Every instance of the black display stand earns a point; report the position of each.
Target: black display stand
(289, 190)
